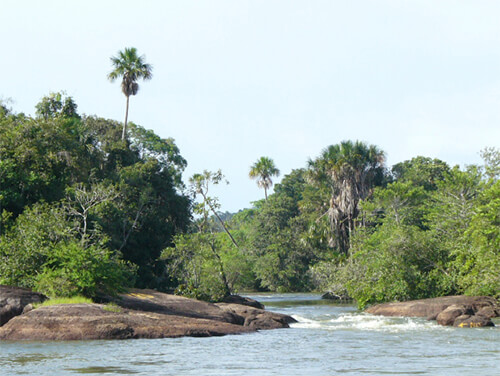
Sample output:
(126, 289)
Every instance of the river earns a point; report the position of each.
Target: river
(330, 339)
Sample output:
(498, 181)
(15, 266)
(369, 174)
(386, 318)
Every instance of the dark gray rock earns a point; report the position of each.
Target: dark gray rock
(13, 300)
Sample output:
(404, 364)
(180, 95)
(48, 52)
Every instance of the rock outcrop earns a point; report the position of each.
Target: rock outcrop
(13, 301)
(93, 321)
(459, 311)
(258, 318)
(140, 314)
(154, 301)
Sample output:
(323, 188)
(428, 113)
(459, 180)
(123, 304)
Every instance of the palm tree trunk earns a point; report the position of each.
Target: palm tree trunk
(265, 192)
(124, 132)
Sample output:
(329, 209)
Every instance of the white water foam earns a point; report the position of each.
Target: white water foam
(366, 322)
(305, 323)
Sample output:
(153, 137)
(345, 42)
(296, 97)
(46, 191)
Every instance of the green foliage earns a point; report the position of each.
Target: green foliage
(396, 262)
(130, 67)
(421, 171)
(71, 269)
(478, 265)
(69, 181)
(202, 264)
(423, 241)
(491, 157)
(40, 251)
(56, 105)
(263, 170)
(349, 171)
(112, 307)
(63, 300)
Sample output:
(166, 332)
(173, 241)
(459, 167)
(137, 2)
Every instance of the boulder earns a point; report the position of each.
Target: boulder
(446, 310)
(258, 319)
(475, 321)
(332, 296)
(430, 307)
(448, 316)
(236, 299)
(93, 321)
(13, 300)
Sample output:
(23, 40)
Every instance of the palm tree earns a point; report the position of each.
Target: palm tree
(350, 170)
(263, 170)
(131, 67)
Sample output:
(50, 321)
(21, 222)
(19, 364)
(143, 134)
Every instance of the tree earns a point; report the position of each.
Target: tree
(491, 157)
(350, 170)
(421, 171)
(131, 67)
(56, 105)
(263, 170)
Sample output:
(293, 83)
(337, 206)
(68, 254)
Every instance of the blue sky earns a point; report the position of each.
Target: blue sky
(236, 80)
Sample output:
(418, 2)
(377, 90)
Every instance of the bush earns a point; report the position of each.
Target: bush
(72, 269)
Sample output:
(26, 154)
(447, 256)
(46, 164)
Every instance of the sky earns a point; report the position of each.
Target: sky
(235, 80)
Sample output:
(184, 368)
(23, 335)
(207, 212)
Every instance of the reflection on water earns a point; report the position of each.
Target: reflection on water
(329, 339)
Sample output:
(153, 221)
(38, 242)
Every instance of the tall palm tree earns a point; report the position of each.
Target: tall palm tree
(131, 67)
(350, 170)
(263, 170)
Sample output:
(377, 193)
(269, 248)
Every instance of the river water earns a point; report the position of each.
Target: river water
(329, 339)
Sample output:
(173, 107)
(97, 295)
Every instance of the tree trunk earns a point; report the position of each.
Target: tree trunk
(124, 132)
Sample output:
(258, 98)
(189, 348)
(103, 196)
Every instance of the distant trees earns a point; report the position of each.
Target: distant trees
(263, 170)
(130, 67)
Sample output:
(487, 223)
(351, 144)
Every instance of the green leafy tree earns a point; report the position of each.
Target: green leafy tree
(491, 157)
(263, 170)
(421, 171)
(479, 265)
(349, 170)
(130, 67)
(56, 105)
(203, 262)
(41, 250)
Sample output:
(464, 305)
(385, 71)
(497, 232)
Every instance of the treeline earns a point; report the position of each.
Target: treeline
(85, 210)
(349, 225)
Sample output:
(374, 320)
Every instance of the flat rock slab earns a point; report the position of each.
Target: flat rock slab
(445, 309)
(13, 300)
(154, 301)
(93, 321)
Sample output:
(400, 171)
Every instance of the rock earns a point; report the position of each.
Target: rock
(92, 321)
(258, 319)
(332, 296)
(142, 314)
(236, 299)
(475, 321)
(14, 299)
(461, 311)
(488, 312)
(448, 316)
(154, 301)
(431, 307)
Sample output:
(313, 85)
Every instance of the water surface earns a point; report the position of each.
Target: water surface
(329, 339)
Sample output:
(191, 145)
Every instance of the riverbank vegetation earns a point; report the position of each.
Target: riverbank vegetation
(87, 208)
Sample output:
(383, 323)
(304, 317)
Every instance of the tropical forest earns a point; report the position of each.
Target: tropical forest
(91, 206)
